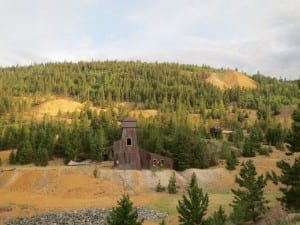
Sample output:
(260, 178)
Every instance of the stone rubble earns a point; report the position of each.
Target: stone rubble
(81, 217)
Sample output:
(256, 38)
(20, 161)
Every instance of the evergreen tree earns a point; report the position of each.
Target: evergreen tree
(251, 194)
(291, 179)
(192, 209)
(12, 157)
(248, 149)
(231, 161)
(238, 137)
(124, 213)
(239, 213)
(252, 144)
(25, 152)
(172, 186)
(218, 218)
(275, 136)
(41, 156)
(98, 144)
(193, 181)
(295, 135)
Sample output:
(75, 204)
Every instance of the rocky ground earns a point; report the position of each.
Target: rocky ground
(81, 217)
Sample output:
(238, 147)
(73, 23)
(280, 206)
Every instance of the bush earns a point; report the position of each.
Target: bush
(265, 151)
(159, 187)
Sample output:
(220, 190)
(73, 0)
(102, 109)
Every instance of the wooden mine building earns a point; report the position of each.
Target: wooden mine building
(128, 155)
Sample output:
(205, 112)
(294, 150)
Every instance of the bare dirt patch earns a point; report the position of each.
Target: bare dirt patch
(230, 79)
(56, 106)
(30, 190)
(285, 116)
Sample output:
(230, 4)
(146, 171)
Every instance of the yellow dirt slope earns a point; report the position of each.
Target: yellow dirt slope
(53, 107)
(230, 79)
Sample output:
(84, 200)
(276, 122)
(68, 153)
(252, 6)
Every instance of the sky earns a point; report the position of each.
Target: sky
(250, 35)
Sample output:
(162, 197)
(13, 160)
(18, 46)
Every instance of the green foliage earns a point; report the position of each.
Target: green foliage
(239, 214)
(25, 152)
(193, 208)
(175, 90)
(159, 187)
(41, 156)
(98, 144)
(218, 218)
(291, 179)
(265, 150)
(12, 157)
(124, 213)
(248, 149)
(251, 194)
(238, 137)
(295, 135)
(172, 186)
(231, 161)
(193, 181)
(275, 136)
(163, 222)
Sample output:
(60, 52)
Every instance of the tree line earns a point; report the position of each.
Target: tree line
(158, 85)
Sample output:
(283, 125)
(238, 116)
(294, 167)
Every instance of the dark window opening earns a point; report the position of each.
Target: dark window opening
(154, 162)
(162, 162)
(129, 141)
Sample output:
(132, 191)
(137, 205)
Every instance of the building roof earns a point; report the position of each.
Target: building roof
(129, 119)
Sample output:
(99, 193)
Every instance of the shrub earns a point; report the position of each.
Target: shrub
(159, 187)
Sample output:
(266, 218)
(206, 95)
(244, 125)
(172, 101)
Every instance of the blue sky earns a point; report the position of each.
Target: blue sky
(251, 35)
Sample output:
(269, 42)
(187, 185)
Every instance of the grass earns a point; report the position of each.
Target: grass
(167, 203)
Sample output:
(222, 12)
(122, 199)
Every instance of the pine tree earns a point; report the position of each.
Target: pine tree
(43, 154)
(295, 135)
(25, 153)
(291, 179)
(193, 181)
(231, 161)
(124, 213)
(172, 186)
(12, 157)
(248, 149)
(251, 192)
(97, 144)
(239, 213)
(218, 218)
(238, 136)
(192, 209)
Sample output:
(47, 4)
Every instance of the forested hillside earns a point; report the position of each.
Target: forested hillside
(188, 106)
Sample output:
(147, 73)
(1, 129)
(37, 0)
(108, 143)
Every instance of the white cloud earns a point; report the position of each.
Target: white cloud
(250, 35)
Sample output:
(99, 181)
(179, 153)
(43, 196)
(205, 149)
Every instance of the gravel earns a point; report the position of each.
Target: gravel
(82, 217)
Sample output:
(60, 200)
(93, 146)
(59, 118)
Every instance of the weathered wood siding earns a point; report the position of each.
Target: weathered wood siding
(128, 155)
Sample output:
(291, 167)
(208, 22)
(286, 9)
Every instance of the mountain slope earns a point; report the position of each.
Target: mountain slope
(230, 79)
